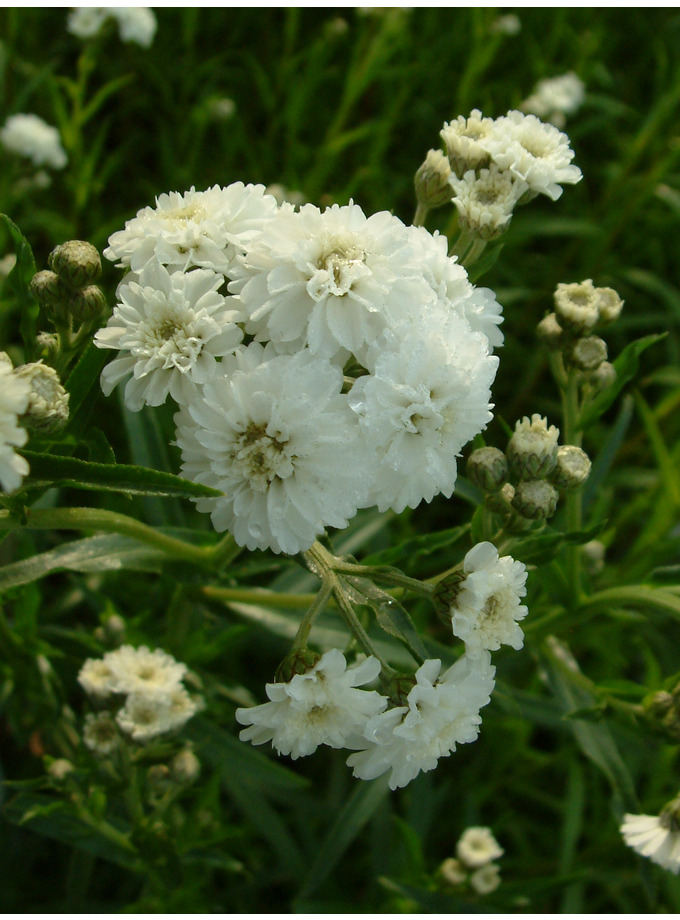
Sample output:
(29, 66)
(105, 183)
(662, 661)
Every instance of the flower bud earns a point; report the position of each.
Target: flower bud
(487, 468)
(48, 400)
(299, 661)
(609, 304)
(452, 872)
(571, 469)
(47, 289)
(593, 554)
(486, 879)
(60, 768)
(185, 767)
(602, 377)
(158, 779)
(77, 263)
(48, 343)
(535, 499)
(115, 627)
(587, 354)
(499, 502)
(550, 332)
(88, 304)
(445, 593)
(661, 712)
(532, 450)
(577, 306)
(432, 180)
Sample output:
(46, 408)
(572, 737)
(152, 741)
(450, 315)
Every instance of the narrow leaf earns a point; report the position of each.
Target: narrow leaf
(19, 279)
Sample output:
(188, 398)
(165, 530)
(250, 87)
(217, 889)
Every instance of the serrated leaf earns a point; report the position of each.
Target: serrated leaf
(626, 366)
(134, 480)
(19, 279)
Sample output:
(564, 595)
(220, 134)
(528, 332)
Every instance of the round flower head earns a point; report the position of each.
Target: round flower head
(30, 136)
(477, 846)
(440, 713)
(487, 605)
(100, 733)
(577, 306)
(206, 229)
(464, 140)
(532, 449)
(655, 836)
(86, 21)
(278, 438)
(136, 24)
(535, 152)
(329, 280)
(432, 180)
(140, 671)
(322, 706)
(486, 200)
(145, 716)
(169, 330)
(427, 397)
(486, 879)
(556, 97)
(14, 399)
(96, 678)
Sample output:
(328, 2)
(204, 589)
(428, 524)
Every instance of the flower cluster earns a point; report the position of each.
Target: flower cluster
(136, 24)
(30, 136)
(655, 836)
(556, 97)
(149, 686)
(15, 395)
(497, 163)
(474, 863)
(323, 361)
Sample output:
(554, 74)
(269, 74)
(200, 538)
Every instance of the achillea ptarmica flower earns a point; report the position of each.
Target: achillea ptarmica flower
(96, 678)
(321, 706)
(487, 605)
(278, 438)
(556, 97)
(477, 847)
(169, 329)
(655, 836)
(204, 229)
(139, 670)
(464, 140)
(100, 733)
(486, 200)
(14, 399)
(48, 401)
(30, 136)
(532, 449)
(441, 712)
(536, 152)
(577, 306)
(486, 879)
(136, 24)
(427, 396)
(609, 305)
(147, 715)
(432, 180)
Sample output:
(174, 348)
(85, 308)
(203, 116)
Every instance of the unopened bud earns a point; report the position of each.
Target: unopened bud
(535, 499)
(445, 594)
(86, 305)
(432, 180)
(48, 400)
(452, 872)
(487, 468)
(609, 304)
(60, 768)
(577, 306)
(299, 661)
(185, 767)
(602, 377)
(588, 353)
(77, 263)
(486, 879)
(593, 555)
(47, 289)
(115, 627)
(550, 332)
(571, 469)
(532, 450)
(501, 501)
(48, 343)
(661, 711)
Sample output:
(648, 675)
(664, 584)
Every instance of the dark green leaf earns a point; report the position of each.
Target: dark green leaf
(82, 386)
(542, 547)
(390, 614)
(417, 547)
(19, 279)
(487, 262)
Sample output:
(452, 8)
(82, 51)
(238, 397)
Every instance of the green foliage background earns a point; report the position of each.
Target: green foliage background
(340, 105)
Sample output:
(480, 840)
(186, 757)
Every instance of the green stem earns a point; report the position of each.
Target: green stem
(633, 596)
(314, 610)
(388, 577)
(420, 215)
(259, 596)
(573, 500)
(473, 253)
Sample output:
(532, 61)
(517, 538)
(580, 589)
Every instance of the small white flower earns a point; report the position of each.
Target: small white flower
(477, 846)
(277, 437)
(556, 97)
(486, 879)
(321, 706)
(135, 24)
(96, 678)
(86, 21)
(100, 733)
(440, 713)
(30, 136)
(145, 716)
(655, 836)
(535, 152)
(206, 228)
(169, 330)
(140, 671)
(487, 607)
(486, 200)
(464, 140)
(14, 398)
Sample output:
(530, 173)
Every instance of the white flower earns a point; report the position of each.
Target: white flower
(321, 706)
(655, 836)
(100, 733)
(96, 678)
(464, 140)
(205, 228)
(486, 879)
(278, 438)
(477, 846)
(487, 607)
(329, 280)
(30, 136)
(14, 397)
(427, 397)
(140, 671)
(135, 23)
(145, 715)
(439, 715)
(86, 21)
(536, 152)
(556, 97)
(486, 200)
(169, 330)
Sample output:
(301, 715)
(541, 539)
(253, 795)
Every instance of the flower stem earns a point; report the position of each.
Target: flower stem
(420, 215)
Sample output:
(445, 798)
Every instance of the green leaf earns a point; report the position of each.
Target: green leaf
(80, 385)
(626, 366)
(485, 264)
(417, 547)
(133, 480)
(390, 614)
(19, 279)
(542, 547)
